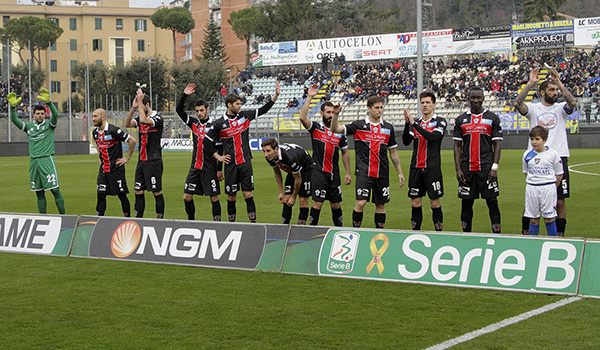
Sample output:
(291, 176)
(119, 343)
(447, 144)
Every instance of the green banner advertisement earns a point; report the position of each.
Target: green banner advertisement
(590, 273)
(504, 262)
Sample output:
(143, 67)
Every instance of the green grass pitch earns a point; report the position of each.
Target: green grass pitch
(69, 303)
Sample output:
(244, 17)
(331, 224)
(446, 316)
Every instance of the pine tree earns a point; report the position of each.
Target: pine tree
(212, 46)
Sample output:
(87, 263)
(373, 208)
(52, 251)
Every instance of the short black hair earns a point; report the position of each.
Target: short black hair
(39, 108)
(326, 104)
(545, 84)
(270, 142)
(232, 98)
(201, 103)
(475, 88)
(373, 100)
(427, 93)
(539, 131)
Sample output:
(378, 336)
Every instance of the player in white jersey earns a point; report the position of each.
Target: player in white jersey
(544, 172)
(553, 116)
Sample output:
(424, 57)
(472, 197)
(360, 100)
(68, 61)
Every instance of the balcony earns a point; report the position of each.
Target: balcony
(214, 4)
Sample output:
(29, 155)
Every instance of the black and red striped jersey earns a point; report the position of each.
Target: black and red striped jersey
(292, 158)
(150, 135)
(326, 146)
(233, 132)
(109, 146)
(426, 136)
(200, 158)
(372, 142)
(477, 133)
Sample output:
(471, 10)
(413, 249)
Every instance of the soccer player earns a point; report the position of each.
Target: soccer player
(148, 173)
(325, 178)
(40, 134)
(477, 140)
(203, 177)
(425, 166)
(544, 172)
(553, 116)
(296, 162)
(373, 138)
(232, 130)
(111, 176)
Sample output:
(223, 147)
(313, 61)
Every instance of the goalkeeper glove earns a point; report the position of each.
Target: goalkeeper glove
(13, 100)
(44, 96)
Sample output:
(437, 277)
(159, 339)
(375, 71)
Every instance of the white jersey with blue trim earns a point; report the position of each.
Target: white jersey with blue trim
(553, 118)
(542, 168)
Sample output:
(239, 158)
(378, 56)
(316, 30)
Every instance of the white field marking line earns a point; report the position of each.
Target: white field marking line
(507, 322)
(582, 172)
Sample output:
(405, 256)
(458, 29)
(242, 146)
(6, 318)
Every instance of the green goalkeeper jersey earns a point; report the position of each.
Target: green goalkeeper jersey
(41, 136)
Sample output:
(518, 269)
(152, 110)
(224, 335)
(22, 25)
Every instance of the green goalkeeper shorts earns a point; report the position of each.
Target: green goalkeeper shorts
(42, 173)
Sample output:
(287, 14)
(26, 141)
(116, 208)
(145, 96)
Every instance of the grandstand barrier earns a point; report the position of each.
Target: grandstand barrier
(547, 265)
(13, 149)
(37, 233)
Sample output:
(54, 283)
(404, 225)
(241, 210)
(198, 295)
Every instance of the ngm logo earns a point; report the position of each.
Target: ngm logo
(197, 243)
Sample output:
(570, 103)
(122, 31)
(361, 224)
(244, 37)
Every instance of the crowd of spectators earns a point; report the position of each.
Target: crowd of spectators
(18, 86)
(499, 74)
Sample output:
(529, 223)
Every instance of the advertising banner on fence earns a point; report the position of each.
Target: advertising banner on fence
(197, 243)
(484, 39)
(590, 273)
(177, 144)
(481, 261)
(279, 53)
(542, 28)
(37, 234)
(435, 43)
(587, 31)
(369, 47)
(542, 41)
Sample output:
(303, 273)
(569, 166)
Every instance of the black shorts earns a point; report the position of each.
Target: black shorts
(326, 186)
(428, 180)
(239, 175)
(304, 192)
(477, 183)
(562, 190)
(379, 187)
(202, 183)
(112, 183)
(148, 176)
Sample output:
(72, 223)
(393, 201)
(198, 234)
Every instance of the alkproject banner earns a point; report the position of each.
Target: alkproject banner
(369, 47)
(36, 234)
(587, 31)
(435, 43)
(482, 261)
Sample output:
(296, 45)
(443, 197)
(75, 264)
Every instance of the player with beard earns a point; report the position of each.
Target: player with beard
(325, 178)
(111, 176)
(553, 116)
(477, 140)
(204, 175)
(148, 173)
(297, 163)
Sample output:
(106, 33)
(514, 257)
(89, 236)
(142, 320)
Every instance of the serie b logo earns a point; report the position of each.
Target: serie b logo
(343, 252)
(125, 239)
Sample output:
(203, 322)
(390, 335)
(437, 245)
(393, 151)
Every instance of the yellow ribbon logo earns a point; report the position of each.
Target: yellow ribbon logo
(378, 253)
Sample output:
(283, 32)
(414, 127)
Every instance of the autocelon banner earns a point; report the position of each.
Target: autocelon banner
(482, 261)
(179, 242)
(38, 234)
(370, 47)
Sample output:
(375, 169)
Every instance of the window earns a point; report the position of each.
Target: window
(97, 45)
(74, 86)
(55, 87)
(119, 23)
(98, 23)
(54, 19)
(73, 65)
(119, 52)
(4, 20)
(99, 63)
(141, 25)
(53, 66)
(53, 46)
(73, 23)
(141, 45)
(73, 44)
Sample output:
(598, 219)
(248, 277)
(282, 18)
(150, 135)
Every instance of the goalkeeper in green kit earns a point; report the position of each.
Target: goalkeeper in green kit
(42, 169)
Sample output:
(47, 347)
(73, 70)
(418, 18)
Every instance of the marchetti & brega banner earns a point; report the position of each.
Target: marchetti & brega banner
(197, 243)
(481, 261)
(37, 234)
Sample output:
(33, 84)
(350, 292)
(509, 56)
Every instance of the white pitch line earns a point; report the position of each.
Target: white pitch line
(507, 322)
(583, 172)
